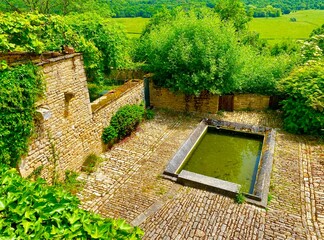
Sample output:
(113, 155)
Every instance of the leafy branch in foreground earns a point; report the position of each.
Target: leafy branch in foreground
(33, 210)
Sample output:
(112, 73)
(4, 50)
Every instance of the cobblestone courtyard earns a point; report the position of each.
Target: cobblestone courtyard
(128, 184)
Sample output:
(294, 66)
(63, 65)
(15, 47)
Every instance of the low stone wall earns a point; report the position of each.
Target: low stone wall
(163, 98)
(251, 102)
(205, 102)
(69, 127)
(125, 74)
(15, 57)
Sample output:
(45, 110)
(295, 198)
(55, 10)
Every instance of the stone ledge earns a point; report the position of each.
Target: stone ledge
(196, 180)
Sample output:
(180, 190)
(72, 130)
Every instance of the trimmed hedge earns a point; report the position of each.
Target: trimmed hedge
(123, 123)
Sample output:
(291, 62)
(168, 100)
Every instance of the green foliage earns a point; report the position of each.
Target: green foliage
(313, 48)
(109, 135)
(126, 119)
(234, 11)
(62, 7)
(103, 45)
(107, 36)
(32, 210)
(90, 163)
(270, 197)
(303, 108)
(149, 114)
(71, 184)
(288, 47)
(268, 11)
(240, 198)
(122, 123)
(20, 88)
(261, 72)
(192, 53)
(317, 31)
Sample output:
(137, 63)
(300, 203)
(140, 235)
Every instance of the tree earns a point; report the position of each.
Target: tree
(61, 7)
(234, 11)
(192, 54)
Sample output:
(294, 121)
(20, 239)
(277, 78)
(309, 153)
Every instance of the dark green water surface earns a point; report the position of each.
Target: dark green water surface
(227, 155)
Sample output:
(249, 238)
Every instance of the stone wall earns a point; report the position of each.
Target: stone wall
(251, 102)
(68, 129)
(163, 98)
(17, 57)
(205, 102)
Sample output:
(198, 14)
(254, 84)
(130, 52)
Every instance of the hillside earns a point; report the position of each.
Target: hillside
(272, 29)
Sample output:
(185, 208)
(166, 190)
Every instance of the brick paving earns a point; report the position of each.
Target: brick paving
(128, 184)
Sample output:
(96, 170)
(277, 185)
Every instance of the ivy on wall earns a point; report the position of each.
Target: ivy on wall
(20, 87)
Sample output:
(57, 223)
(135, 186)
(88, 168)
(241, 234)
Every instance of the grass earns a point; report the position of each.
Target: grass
(272, 29)
(133, 26)
(90, 164)
(281, 28)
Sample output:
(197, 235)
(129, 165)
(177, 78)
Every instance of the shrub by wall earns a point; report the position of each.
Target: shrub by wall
(123, 122)
(304, 106)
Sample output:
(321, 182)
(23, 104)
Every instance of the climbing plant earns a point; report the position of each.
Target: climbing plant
(20, 87)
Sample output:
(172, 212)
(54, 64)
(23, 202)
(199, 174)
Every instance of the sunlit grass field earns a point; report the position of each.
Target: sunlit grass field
(272, 29)
(276, 29)
(133, 26)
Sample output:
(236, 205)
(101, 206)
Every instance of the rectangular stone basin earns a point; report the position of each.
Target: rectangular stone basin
(227, 158)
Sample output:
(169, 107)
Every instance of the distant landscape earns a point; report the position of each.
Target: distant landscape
(272, 29)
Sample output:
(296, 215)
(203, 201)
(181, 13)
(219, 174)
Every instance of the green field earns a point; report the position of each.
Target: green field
(276, 29)
(133, 26)
(272, 29)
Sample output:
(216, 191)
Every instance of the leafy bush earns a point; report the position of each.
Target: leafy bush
(20, 88)
(91, 162)
(71, 183)
(304, 106)
(32, 210)
(109, 134)
(192, 53)
(103, 45)
(240, 198)
(149, 114)
(261, 72)
(107, 36)
(126, 119)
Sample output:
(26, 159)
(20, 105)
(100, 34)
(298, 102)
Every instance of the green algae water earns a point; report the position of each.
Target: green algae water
(227, 155)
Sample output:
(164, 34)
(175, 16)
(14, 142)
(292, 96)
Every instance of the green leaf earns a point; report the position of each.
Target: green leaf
(2, 205)
(26, 225)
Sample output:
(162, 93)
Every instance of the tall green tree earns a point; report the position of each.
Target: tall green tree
(61, 7)
(234, 11)
(192, 54)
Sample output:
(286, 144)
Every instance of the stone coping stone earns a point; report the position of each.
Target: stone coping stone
(262, 184)
(196, 180)
(185, 149)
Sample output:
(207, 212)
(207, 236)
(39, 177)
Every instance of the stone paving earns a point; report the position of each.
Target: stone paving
(128, 184)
